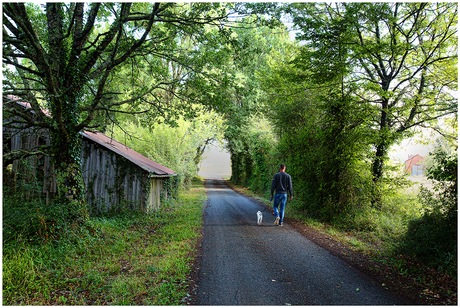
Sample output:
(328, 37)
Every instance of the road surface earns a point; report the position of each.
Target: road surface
(247, 264)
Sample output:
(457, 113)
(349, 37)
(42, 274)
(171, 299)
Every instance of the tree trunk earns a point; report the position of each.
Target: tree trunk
(380, 153)
(66, 143)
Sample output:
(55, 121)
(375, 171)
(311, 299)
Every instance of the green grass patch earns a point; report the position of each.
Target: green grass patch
(126, 259)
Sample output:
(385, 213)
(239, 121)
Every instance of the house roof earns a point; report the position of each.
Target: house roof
(26, 105)
(413, 157)
(155, 169)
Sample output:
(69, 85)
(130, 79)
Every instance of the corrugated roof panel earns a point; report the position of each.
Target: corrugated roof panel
(128, 153)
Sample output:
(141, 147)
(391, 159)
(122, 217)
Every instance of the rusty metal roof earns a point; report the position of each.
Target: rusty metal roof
(26, 105)
(155, 169)
(128, 153)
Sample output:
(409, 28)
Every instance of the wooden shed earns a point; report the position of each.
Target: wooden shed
(114, 175)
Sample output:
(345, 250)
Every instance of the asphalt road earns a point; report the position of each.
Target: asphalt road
(247, 264)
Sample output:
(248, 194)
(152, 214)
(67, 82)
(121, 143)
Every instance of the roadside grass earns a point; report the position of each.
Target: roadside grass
(125, 259)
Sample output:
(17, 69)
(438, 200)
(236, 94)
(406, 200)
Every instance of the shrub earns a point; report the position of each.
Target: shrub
(433, 237)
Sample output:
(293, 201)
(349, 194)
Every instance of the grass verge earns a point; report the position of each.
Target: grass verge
(127, 259)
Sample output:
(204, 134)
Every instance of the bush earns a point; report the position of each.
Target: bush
(433, 240)
(433, 237)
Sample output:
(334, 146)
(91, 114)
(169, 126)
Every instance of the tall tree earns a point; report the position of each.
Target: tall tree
(66, 58)
(253, 46)
(397, 55)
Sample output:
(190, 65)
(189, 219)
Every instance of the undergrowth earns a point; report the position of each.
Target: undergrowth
(129, 258)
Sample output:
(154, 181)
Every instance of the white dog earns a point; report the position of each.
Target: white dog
(259, 217)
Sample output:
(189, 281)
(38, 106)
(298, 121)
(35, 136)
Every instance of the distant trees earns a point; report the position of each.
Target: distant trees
(249, 135)
(180, 146)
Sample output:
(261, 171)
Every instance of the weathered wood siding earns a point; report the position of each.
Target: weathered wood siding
(28, 140)
(156, 186)
(110, 180)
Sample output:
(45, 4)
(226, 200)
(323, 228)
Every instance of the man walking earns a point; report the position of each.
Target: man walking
(281, 183)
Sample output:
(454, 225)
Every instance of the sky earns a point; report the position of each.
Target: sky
(409, 147)
(216, 163)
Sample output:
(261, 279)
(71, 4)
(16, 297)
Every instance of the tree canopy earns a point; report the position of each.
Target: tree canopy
(361, 77)
(85, 62)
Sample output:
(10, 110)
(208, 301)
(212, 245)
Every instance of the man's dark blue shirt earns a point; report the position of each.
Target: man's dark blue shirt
(282, 183)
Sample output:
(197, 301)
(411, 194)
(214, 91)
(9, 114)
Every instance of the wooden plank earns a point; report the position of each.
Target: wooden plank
(152, 194)
(112, 175)
(158, 192)
(135, 189)
(95, 171)
(103, 175)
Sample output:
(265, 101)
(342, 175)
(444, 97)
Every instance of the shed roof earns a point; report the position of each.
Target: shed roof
(128, 153)
(155, 169)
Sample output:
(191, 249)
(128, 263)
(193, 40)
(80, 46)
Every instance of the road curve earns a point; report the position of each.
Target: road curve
(246, 264)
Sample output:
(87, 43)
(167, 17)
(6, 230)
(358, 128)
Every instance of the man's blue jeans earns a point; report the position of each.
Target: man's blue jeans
(280, 200)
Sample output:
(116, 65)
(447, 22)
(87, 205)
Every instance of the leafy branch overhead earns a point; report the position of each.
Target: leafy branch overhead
(73, 57)
(80, 65)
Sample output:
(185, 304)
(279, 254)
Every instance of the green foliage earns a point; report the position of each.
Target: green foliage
(433, 237)
(250, 137)
(26, 213)
(178, 147)
(126, 258)
(21, 270)
(390, 222)
(37, 220)
(320, 139)
(172, 186)
(254, 164)
(364, 49)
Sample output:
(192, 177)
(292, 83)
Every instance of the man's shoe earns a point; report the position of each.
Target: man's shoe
(277, 219)
(281, 224)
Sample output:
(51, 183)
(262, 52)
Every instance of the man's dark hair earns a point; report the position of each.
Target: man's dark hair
(282, 166)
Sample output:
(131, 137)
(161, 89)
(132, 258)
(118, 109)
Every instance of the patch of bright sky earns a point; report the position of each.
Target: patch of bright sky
(409, 147)
(216, 163)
